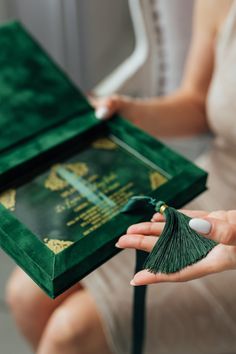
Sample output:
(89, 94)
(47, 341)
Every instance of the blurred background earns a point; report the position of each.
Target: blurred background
(135, 47)
(80, 35)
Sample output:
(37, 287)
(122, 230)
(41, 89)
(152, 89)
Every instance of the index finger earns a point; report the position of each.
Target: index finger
(146, 228)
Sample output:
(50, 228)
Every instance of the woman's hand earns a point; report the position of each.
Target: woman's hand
(219, 226)
(107, 106)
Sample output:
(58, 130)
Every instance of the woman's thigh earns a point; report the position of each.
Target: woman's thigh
(30, 306)
(75, 327)
(65, 322)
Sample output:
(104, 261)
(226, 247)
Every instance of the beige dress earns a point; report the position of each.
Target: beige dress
(198, 317)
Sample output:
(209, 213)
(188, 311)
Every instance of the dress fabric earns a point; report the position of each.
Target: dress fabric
(198, 317)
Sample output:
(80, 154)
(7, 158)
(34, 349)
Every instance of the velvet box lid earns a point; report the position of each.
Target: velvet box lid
(64, 175)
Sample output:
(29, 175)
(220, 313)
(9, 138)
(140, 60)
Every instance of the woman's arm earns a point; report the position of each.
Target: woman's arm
(183, 112)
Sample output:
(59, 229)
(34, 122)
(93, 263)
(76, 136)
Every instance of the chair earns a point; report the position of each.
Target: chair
(135, 75)
(162, 34)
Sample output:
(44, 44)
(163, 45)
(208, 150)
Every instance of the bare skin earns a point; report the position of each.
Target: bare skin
(181, 113)
(143, 236)
(72, 323)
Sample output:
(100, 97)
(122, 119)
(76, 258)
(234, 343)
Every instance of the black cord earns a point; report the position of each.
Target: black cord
(139, 309)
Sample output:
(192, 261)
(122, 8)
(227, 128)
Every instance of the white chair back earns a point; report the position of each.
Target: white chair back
(162, 34)
(135, 75)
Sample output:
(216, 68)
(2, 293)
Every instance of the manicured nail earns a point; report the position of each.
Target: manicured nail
(117, 245)
(102, 113)
(200, 225)
(133, 282)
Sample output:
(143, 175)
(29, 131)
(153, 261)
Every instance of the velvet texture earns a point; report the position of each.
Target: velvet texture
(35, 95)
(44, 120)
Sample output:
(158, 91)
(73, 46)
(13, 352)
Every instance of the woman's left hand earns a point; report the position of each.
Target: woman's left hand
(219, 226)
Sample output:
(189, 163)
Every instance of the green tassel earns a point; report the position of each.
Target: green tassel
(178, 246)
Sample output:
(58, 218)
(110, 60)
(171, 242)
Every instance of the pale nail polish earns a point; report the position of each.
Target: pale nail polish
(117, 245)
(200, 225)
(132, 282)
(102, 113)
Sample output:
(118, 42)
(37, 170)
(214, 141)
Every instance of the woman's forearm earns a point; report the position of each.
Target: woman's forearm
(179, 114)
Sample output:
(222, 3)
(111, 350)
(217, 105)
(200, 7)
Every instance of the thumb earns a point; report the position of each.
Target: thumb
(215, 229)
(106, 107)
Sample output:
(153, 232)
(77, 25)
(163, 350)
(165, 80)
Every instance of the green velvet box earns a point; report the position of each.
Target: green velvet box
(65, 176)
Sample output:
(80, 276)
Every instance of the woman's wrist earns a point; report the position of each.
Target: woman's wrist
(133, 109)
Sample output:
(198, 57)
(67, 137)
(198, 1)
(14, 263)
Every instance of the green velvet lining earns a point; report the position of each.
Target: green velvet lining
(36, 153)
(34, 93)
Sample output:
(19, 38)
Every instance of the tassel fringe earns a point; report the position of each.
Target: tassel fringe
(178, 246)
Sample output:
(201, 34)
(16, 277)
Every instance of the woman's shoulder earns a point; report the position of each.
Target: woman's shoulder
(213, 13)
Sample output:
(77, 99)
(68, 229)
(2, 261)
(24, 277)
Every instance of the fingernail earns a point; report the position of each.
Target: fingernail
(132, 282)
(117, 245)
(200, 225)
(102, 112)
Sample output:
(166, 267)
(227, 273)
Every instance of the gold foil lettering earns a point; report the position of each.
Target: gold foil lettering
(104, 143)
(57, 245)
(8, 199)
(156, 180)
